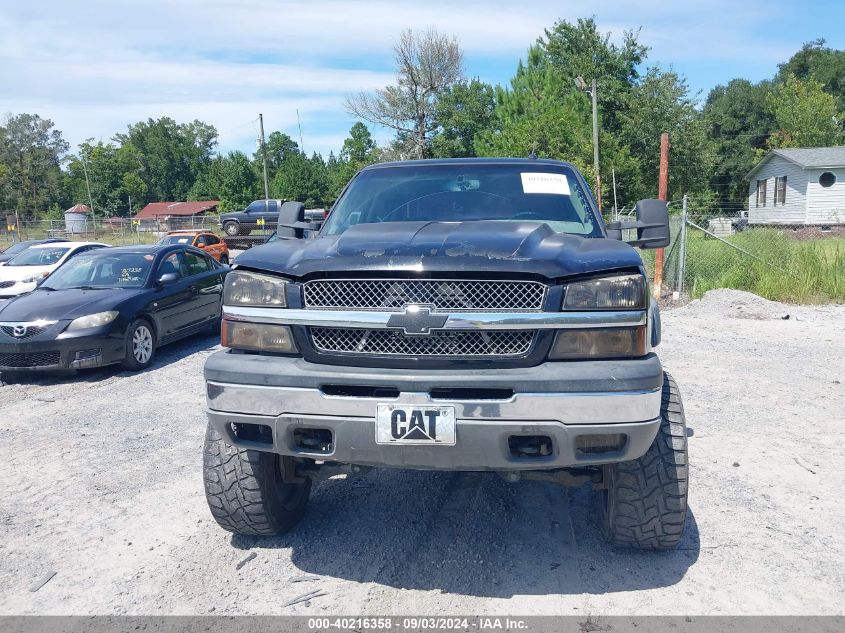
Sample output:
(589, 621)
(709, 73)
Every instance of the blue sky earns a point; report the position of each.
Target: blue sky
(95, 66)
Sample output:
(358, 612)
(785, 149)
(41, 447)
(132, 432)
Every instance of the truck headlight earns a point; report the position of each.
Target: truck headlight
(92, 320)
(244, 288)
(619, 292)
(623, 342)
(257, 337)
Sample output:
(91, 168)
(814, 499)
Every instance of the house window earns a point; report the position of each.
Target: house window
(761, 193)
(827, 179)
(780, 190)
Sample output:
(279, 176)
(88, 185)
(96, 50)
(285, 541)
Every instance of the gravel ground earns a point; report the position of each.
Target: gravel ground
(101, 484)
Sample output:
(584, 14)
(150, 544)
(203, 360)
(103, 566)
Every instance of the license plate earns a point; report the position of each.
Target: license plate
(415, 424)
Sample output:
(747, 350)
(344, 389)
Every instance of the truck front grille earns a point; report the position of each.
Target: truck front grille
(458, 343)
(452, 295)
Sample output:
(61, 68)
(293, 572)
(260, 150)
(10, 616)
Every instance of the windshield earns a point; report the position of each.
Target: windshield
(38, 256)
(457, 192)
(176, 239)
(17, 248)
(100, 270)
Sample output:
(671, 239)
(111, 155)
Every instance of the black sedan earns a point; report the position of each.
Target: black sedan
(114, 305)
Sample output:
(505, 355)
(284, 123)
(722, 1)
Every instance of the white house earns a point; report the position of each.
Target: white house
(799, 186)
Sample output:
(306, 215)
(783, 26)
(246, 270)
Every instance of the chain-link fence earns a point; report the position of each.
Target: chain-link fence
(785, 262)
(114, 230)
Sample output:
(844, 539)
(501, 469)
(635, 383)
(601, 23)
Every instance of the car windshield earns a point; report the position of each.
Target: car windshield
(38, 256)
(102, 270)
(17, 248)
(176, 239)
(423, 192)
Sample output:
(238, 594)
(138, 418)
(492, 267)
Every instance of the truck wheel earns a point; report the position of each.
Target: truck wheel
(245, 491)
(645, 503)
(232, 228)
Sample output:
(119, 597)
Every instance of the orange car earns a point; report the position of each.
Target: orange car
(202, 239)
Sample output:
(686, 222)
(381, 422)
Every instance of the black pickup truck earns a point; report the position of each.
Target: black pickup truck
(465, 315)
(258, 214)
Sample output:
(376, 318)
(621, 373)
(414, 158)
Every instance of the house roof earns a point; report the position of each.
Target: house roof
(164, 209)
(807, 157)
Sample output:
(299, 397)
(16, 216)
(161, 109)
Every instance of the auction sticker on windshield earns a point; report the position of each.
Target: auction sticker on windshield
(415, 424)
(545, 183)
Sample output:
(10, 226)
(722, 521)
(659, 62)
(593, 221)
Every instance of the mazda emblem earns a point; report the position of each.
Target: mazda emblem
(417, 320)
(19, 331)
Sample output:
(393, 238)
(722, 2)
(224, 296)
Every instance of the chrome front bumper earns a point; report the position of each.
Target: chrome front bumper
(238, 393)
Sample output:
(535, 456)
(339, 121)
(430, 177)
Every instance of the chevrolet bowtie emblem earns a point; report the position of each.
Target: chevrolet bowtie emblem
(417, 320)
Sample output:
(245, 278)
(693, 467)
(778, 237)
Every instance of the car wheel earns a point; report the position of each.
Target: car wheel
(232, 228)
(224, 259)
(140, 345)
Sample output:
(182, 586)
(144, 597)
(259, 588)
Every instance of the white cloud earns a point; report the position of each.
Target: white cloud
(95, 66)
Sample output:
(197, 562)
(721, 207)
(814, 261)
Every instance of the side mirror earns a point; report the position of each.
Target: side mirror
(168, 278)
(292, 223)
(652, 225)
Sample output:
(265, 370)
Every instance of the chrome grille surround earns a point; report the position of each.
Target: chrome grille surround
(442, 294)
(24, 330)
(440, 343)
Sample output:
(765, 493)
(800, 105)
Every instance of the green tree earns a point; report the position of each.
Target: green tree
(279, 147)
(238, 184)
(114, 175)
(805, 115)
(661, 103)
(463, 111)
(359, 147)
(174, 155)
(738, 122)
(303, 179)
(427, 63)
(31, 150)
(817, 61)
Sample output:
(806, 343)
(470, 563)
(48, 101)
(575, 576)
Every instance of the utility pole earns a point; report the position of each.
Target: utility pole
(662, 193)
(615, 208)
(90, 199)
(264, 158)
(594, 94)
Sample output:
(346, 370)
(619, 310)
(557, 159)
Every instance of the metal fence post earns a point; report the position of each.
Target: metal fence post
(682, 254)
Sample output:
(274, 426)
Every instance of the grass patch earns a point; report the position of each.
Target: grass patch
(791, 270)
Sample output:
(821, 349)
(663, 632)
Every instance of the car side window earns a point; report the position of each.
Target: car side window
(272, 206)
(211, 239)
(172, 264)
(197, 264)
(202, 240)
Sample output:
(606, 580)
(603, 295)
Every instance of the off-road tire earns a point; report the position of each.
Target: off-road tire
(232, 228)
(245, 491)
(645, 502)
(130, 360)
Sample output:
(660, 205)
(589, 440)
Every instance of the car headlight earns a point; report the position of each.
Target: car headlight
(620, 292)
(35, 278)
(92, 320)
(251, 289)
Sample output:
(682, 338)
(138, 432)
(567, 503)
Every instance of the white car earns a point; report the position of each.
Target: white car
(25, 270)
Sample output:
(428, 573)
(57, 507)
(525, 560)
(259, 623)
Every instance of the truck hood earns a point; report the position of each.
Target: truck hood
(530, 248)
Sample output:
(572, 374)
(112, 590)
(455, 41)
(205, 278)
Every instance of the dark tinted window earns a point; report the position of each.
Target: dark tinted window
(197, 264)
(465, 192)
(272, 206)
(176, 239)
(172, 264)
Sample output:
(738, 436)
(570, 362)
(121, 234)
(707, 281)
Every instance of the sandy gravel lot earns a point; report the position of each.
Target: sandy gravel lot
(101, 484)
